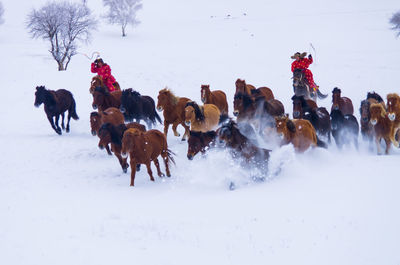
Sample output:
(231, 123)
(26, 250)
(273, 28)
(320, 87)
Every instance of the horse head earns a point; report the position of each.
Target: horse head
(377, 112)
(205, 91)
(364, 111)
(241, 102)
(336, 95)
(40, 95)
(393, 105)
(240, 86)
(98, 96)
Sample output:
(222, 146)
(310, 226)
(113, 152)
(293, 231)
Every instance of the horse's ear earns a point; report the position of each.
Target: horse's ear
(290, 125)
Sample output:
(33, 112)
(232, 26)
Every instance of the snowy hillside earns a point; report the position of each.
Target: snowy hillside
(65, 201)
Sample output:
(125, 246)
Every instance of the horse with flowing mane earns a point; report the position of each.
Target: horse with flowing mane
(242, 87)
(102, 99)
(173, 109)
(302, 88)
(216, 97)
(56, 103)
(202, 118)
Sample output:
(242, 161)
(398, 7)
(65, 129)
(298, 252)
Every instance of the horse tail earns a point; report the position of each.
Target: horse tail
(222, 118)
(321, 143)
(157, 117)
(74, 115)
(320, 95)
(170, 157)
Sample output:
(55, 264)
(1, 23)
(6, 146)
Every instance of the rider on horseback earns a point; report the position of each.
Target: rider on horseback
(303, 63)
(104, 71)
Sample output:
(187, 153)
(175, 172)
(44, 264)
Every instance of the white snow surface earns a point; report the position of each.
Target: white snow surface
(65, 201)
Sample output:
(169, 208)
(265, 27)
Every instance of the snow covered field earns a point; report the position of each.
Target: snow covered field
(64, 201)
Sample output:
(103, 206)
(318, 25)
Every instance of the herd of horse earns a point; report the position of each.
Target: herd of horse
(258, 113)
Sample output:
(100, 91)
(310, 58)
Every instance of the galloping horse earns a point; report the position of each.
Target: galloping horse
(102, 99)
(301, 87)
(242, 87)
(199, 142)
(298, 132)
(393, 111)
(308, 110)
(55, 104)
(344, 104)
(144, 147)
(216, 97)
(367, 129)
(97, 81)
(173, 110)
(201, 118)
(382, 126)
(110, 115)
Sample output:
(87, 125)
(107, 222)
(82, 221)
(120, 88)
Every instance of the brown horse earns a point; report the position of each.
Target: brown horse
(216, 97)
(259, 112)
(241, 146)
(110, 115)
(382, 125)
(393, 110)
(56, 103)
(200, 142)
(298, 132)
(173, 110)
(111, 134)
(102, 99)
(201, 118)
(344, 104)
(242, 87)
(367, 129)
(144, 147)
(97, 81)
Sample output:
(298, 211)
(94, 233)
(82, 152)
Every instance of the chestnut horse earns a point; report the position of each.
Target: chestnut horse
(382, 125)
(319, 117)
(367, 129)
(201, 118)
(242, 87)
(393, 110)
(302, 88)
(344, 104)
(216, 97)
(97, 81)
(102, 99)
(298, 132)
(241, 146)
(56, 103)
(144, 147)
(200, 142)
(110, 115)
(111, 134)
(173, 110)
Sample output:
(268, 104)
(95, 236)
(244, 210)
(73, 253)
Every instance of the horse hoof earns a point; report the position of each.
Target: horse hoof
(59, 132)
(137, 168)
(125, 170)
(183, 139)
(162, 175)
(67, 130)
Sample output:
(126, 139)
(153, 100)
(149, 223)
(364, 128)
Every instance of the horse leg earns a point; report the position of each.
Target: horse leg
(174, 126)
(122, 162)
(56, 123)
(133, 172)
(164, 155)
(166, 126)
(149, 123)
(388, 143)
(159, 173)
(68, 120)
(50, 118)
(62, 120)
(378, 145)
(108, 150)
(148, 165)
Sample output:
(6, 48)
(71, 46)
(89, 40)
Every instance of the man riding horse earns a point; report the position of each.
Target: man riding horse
(104, 71)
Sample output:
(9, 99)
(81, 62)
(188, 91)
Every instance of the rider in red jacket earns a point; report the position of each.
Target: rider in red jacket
(104, 70)
(303, 63)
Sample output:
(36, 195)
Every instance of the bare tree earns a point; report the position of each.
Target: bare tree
(1, 13)
(395, 20)
(63, 24)
(122, 12)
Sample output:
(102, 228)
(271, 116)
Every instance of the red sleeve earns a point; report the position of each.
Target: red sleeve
(293, 65)
(307, 62)
(93, 68)
(107, 71)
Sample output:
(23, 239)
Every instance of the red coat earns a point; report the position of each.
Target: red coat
(105, 73)
(302, 63)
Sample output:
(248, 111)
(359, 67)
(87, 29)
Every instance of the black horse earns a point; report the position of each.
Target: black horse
(345, 128)
(319, 117)
(302, 88)
(55, 104)
(138, 107)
